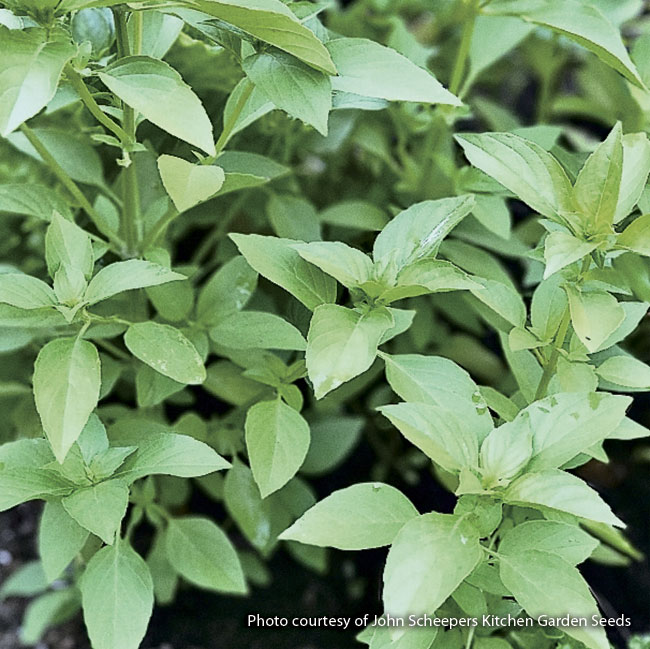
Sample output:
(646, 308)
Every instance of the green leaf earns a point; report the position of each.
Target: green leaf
(503, 300)
(117, 597)
(332, 441)
(439, 382)
(100, 508)
(201, 553)
(238, 117)
(342, 344)
(276, 260)
(257, 330)
(32, 200)
(166, 350)
(171, 454)
(595, 315)
(636, 167)
(60, 539)
(562, 249)
(597, 186)
(555, 489)
(372, 70)
(365, 515)
(25, 581)
(635, 237)
(67, 379)
(293, 217)
(272, 22)
(523, 167)
(626, 371)
(156, 90)
(527, 576)
(418, 231)
(438, 432)
(569, 542)
(67, 244)
(189, 184)
(293, 86)
(348, 265)
(126, 276)
(277, 439)
(414, 583)
(583, 24)
(32, 67)
(355, 214)
(505, 452)
(227, 291)
(547, 307)
(25, 292)
(567, 424)
(28, 483)
(46, 611)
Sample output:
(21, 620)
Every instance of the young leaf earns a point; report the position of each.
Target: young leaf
(277, 439)
(414, 583)
(100, 508)
(418, 231)
(301, 91)
(276, 260)
(525, 575)
(597, 186)
(156, 90)
(171, 454)
(25, 292)
(33, 67)
(523, 167)
(559, 490)
(60, 539)
(562, 249)
(348, 265)
(257, 330)
(373, 70)
(569, 542)
(505, 452)
(166, 350)
(341, 344)
(189, 184)
(635, 237)
(634, 175)
(365, 515)
(66, 243)
(126, 276)
(595, 315)
(436, 431)
(201, 553)
(272, 22)
(117, 597)
(67, 378)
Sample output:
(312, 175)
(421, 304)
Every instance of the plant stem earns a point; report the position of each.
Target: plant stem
(160, 227)
(69, 184)
(131, 190)
(82, 90)
(463, 50)
(549, 368)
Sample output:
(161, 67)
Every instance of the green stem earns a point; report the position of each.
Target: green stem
(470, 638)
(549, 368)
(160, 227)
(463, 51)
(82, 90)
(131, 189)
(70, 185)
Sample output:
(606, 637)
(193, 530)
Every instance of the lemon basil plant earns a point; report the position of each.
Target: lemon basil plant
(241, 239)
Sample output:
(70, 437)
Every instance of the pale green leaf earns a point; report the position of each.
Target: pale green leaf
(201, 553)
(626, 371)
(117, 597)
(32, 200)
(257, 330)
(189, 184)
(66, 243)
(19, 485)
(635, 237)
(636, 167)
(67, 379)
(156, 90)
(348, 265)
(25, 291)
(166, 350)
(365, 515)
(562, 249)
(414, 582)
